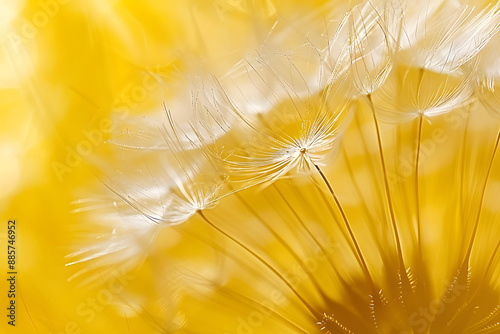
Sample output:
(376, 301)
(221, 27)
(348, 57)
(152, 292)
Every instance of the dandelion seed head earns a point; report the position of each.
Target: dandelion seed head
(185, 200)
(422, 92)
(292, 138)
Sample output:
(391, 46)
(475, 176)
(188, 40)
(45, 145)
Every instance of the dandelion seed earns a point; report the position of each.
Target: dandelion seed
(173, 183)
(371, 46)
(126, 245)
(454, 37)
(294, 136)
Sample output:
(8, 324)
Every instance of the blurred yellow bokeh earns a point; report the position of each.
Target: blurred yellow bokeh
(73, 72)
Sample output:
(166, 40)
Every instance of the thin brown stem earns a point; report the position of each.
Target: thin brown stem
(417, 165)
(311, 235)
(386, 183)
(332, 214)
(367, 211)
(481, 199)
(370, 161)
(262, 261)
(299, 219)
(361, 258)
(290, 250)
(461, 207)
(490, 262)
(417, 193)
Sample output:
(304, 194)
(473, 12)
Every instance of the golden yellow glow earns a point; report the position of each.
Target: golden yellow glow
(325, 219)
